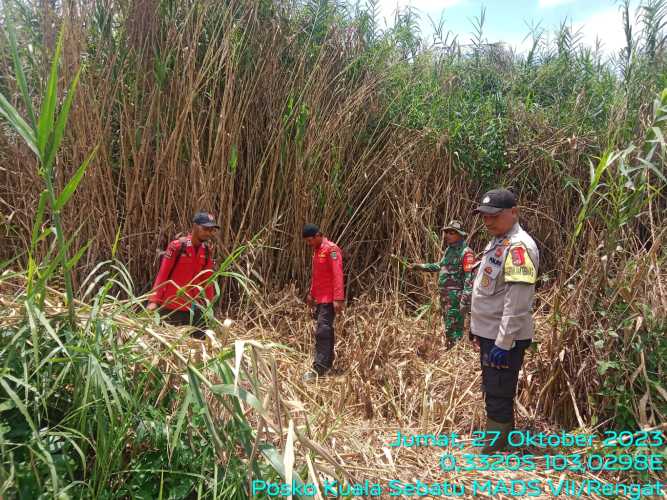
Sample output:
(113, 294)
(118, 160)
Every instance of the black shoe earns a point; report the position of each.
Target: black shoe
(501, 442)
(198, 334)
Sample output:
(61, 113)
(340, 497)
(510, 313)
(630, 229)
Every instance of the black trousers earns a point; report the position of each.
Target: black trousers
(499, 385)
(324, 338)
(183, 318)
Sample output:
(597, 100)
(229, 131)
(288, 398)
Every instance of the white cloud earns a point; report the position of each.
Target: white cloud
(546, 4)
(388, 8)
(605, 25)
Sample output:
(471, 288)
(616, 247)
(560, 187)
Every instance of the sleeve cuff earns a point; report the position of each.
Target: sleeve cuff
(505, 342)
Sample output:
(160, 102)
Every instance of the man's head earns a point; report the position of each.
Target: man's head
(312, 235)
(204, 226)
(454, 232)
(499, 211)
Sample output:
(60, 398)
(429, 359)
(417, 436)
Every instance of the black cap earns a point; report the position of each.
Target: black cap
(204, 219)
(495, 201)
(310, 230)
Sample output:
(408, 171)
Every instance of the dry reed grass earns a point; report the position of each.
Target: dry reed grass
(387, 378)
(266, 131)
(392, 373)
(249, 137)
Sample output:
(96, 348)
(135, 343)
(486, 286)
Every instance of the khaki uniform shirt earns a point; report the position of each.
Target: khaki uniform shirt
(504, 288)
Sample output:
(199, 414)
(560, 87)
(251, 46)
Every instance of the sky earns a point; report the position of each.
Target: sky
(509, 20)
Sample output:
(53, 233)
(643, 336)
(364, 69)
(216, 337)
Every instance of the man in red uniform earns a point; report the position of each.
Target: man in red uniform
(327, 294)
(185, 268)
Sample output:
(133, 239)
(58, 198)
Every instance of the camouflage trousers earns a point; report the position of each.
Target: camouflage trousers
(450, 307)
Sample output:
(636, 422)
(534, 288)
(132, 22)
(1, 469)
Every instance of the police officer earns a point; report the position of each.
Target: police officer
(186, 268)
(327, 295)
(502, 299)
(454, 281)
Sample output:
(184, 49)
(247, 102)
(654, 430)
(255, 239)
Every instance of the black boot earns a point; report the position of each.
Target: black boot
(501, 442)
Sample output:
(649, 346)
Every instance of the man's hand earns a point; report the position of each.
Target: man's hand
(498, 357)
(474, 340)
(152, 306)
(413, 267)
(339, 305)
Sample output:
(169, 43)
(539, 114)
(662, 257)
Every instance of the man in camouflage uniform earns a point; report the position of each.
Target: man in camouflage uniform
(454, 281)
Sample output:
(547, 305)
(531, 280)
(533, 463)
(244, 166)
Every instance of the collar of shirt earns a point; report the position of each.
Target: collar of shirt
(324, 242)
(188, 243)
(515, 229)
(498, 240)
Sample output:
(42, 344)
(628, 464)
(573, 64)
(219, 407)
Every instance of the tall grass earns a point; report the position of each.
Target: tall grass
(113, 407)
(43, 135)
(74, 415)
(273, 113)
(609, 314)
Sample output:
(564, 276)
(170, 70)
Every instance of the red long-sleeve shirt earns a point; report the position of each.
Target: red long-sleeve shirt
(327, 283)
(192, 269)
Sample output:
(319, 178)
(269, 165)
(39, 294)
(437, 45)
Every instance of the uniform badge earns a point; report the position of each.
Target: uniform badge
(488, 269)
(485, 281)
(333, 255)
(518, 257)
(468, 261)
(520, 268)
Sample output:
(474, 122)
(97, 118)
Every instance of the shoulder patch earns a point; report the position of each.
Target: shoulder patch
(171, 250)
(518, 256)
(468, 261)
(333, 255)
(519, 267)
